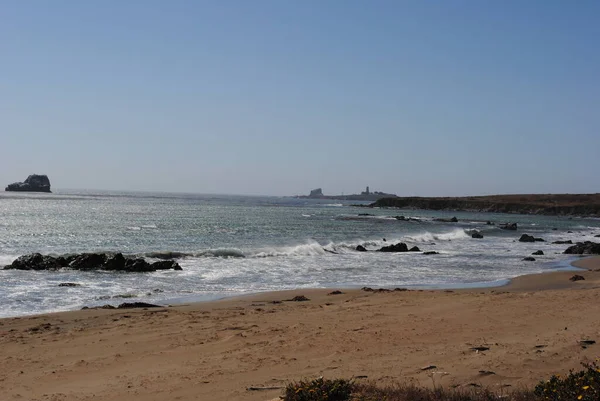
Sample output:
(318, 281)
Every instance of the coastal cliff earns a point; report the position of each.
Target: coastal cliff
(33, 183)
(559, 205)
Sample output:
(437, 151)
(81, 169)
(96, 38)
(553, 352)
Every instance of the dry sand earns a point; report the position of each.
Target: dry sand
(217, 350)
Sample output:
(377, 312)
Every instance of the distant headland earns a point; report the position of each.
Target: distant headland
(366, 195)
(33, 183)
(546, 204)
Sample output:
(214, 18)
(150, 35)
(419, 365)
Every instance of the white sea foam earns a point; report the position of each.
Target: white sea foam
(429, 237)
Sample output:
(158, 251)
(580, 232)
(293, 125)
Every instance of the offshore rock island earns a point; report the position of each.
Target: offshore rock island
(33, 183)
(366, 195)
(545, 204)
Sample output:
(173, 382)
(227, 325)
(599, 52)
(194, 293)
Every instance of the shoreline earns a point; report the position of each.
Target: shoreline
(216, 350)
(523, 282)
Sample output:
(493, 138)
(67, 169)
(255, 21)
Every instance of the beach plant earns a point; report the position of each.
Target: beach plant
(583, 385)
(319, 389)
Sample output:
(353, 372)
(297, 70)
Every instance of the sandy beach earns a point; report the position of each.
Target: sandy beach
(247, 348)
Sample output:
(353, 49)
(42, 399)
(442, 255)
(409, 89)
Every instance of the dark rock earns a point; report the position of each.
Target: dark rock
(489, 223)
(581, 248)
(569, 232)
(65, 260)
(538, 253)
(138, 265)
(114, 262)
(577, 277)
(431, 253)
(399, 247)
(34, 261)
(366, 214)
(526, 238)
(88, 261)
(476, 235)
(554, 229)
(69, 285)
(509, 226)
(414, 249)
(361, 248)
(529, 259)
(33, 183)
(400, 217)
(452, 220)
(563, 242)
(166, 255)
(336, 292)
(597, 236)
(130, 305)
(530, 238)
(165, 265)
(298, 298)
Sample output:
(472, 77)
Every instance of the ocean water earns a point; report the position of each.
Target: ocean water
(233, 245)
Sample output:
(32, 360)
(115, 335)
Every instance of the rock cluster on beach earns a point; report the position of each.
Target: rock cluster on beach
(33, 183)
(90, 261)
(581, 248)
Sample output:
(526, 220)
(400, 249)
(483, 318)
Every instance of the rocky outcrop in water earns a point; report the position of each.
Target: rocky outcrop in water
(90, 261)
(33, 183)
(509, 226)
(399, 247)
(451, 220)
(530, 238)
(316, 193)
(584, 248)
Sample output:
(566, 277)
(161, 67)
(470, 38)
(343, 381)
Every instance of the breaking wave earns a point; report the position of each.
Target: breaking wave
(312, 248)
(428, 237)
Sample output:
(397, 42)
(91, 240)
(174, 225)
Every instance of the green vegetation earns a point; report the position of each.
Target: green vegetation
(319, 390)
(581, 385)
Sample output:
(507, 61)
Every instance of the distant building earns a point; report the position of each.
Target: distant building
(367, 192)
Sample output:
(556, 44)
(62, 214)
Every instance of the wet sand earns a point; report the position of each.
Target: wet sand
(217, 350)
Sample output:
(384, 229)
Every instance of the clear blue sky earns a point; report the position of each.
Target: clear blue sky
(279, 97)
